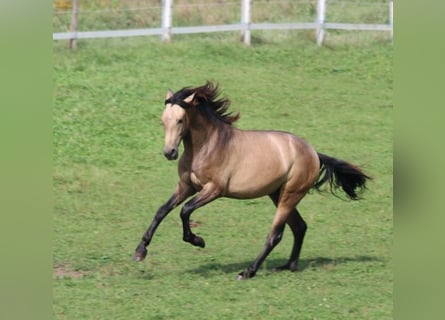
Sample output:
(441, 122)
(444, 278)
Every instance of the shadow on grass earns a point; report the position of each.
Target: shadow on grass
(210, 269)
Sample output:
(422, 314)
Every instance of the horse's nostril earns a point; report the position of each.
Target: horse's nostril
(171, 154)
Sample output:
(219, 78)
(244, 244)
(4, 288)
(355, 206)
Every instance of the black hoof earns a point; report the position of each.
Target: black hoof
(198, 241)
(140, 255)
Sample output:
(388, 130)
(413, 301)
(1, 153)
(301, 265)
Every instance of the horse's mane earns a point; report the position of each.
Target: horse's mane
(208, 102)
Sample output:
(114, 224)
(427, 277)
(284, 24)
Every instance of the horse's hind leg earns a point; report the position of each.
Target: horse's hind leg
(285, 202)
(273, 239)
(298, 227)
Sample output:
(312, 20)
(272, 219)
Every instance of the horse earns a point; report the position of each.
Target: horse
(220, 160)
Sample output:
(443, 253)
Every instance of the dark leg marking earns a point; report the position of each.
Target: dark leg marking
(141, 250)
(298, 227)
(207, 194)
(182, 192)
(272, 240)
(188, 235)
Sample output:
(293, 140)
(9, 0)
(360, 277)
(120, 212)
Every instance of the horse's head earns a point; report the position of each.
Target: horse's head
(176, 122)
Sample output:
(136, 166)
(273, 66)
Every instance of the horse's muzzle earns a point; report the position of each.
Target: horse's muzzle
(171, 153)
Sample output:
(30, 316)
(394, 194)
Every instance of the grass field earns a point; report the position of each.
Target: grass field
(110, 177)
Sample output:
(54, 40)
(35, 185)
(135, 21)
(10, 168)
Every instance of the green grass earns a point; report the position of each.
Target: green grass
(110, 177)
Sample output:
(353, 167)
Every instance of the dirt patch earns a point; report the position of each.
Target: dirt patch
(195, 224)
(64, 271)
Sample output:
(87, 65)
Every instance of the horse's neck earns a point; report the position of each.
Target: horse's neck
(197, 139)
(203, 138)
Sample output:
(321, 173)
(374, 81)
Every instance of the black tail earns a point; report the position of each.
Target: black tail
(342, 174)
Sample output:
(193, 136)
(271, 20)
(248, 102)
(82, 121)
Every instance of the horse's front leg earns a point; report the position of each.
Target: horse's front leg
(182, 192)
(207, 194)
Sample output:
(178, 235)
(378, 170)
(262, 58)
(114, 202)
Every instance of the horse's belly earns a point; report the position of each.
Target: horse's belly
(255, 183)
(251, 192)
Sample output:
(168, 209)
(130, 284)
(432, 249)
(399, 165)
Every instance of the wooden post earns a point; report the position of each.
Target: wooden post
(245, 21)
(73, 28)
(167, 9)
(391, 19)
(321, 15)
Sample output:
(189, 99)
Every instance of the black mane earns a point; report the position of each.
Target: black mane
(208, 102)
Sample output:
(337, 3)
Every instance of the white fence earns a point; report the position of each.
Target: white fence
(246, 25)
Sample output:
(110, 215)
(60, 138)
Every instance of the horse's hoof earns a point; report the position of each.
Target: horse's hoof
(244, 275)
(139, 255)
(240, 277)
(199, 242)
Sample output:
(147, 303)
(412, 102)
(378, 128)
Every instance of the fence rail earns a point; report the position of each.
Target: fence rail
(245, 26)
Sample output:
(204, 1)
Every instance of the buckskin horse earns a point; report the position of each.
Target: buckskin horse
(220, 160)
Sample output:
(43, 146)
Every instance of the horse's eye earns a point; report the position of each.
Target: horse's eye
(180, 121)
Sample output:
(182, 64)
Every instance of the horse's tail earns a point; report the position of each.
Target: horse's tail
(342, 174)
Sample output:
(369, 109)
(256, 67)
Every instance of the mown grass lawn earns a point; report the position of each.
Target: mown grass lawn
(110, 177)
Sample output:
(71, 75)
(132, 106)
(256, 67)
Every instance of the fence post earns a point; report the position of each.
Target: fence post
(73, 28)
(321, 15)
(245, 21)
(391, 18)
(167, 6)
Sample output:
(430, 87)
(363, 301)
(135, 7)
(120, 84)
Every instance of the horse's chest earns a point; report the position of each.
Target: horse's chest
(204, 172)
(197, 183)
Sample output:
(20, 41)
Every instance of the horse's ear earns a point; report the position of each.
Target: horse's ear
(169, 94)
(190, 98)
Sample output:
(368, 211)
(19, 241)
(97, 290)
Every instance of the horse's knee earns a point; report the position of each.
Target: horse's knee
(274, 238)
(302, 226)
(297, 224)
(185, 212)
